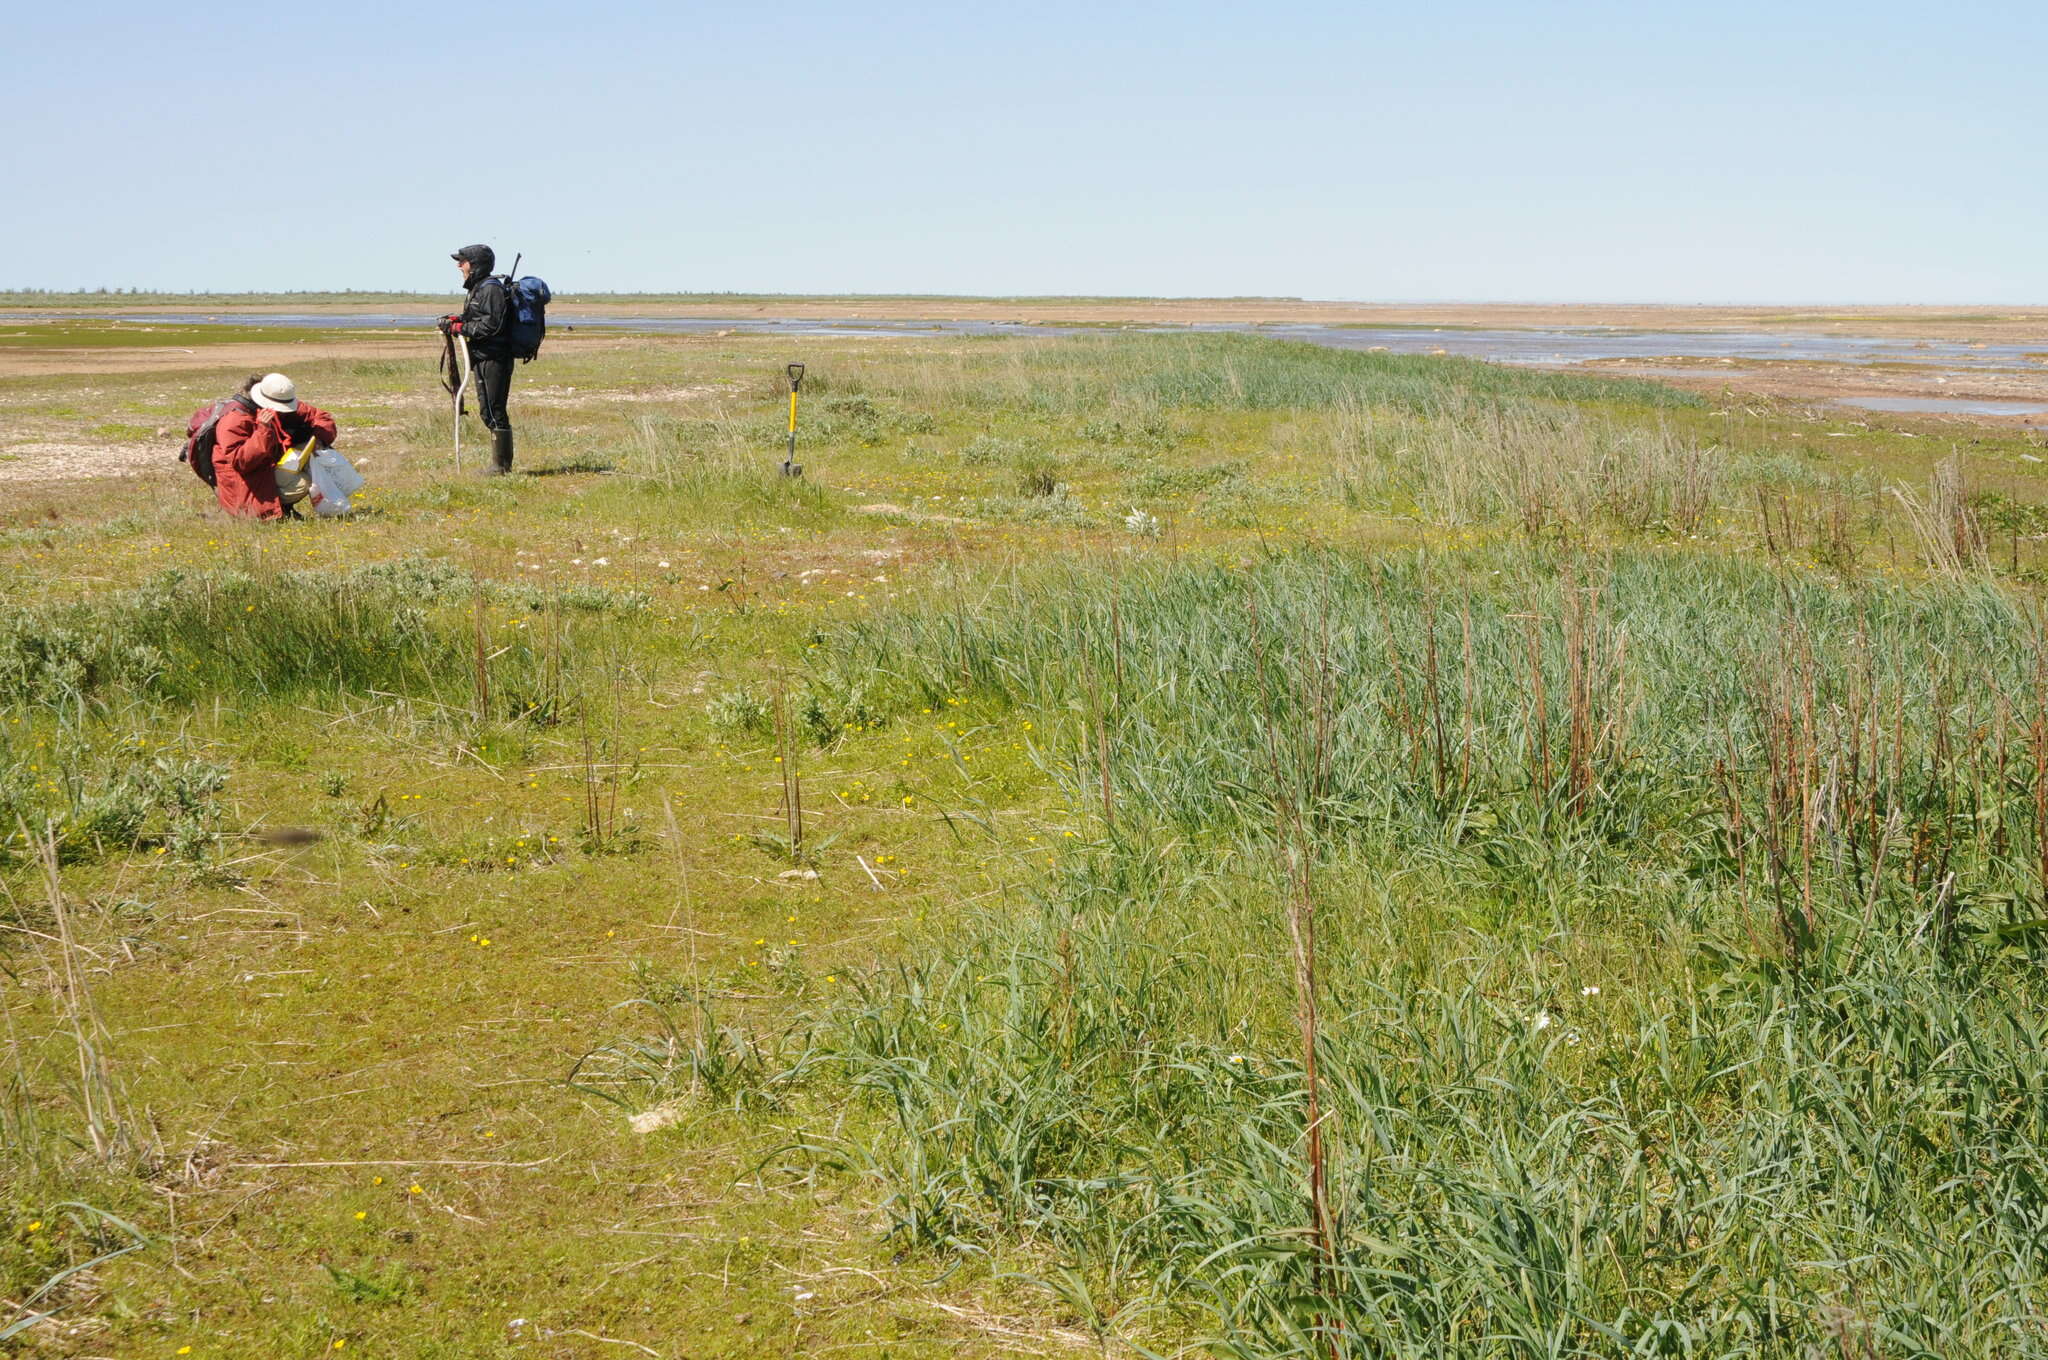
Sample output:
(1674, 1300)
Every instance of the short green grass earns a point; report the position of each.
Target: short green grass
(401, 863)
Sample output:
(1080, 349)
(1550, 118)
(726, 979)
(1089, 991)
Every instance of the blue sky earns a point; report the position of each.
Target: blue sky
(1870, 152)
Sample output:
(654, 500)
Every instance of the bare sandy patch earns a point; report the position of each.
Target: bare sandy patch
(903, 512)
(258, 356)
(239, 359)
(570, 397)
(63, 461)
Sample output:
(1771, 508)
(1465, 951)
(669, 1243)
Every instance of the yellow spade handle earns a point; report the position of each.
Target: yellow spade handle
(792, 411)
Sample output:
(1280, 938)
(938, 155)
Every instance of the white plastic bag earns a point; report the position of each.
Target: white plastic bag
(339, 471)
(334, 480)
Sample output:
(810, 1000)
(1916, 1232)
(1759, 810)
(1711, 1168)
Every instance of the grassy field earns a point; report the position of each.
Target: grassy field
(1154, 845)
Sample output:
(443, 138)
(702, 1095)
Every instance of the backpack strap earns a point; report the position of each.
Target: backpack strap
(203, 434)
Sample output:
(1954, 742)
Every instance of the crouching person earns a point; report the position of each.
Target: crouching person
(263, 421)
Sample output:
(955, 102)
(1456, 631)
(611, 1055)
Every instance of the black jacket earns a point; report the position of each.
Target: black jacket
(487, 318)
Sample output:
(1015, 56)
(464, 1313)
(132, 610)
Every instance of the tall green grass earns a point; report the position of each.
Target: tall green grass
(1615, 692)
(1680, 927)
(230, 638)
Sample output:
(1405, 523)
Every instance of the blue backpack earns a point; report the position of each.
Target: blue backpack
(528, 300)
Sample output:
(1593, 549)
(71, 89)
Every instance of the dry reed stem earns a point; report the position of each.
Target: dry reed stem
(1292, 832)
(481, 653)
(113, 1140)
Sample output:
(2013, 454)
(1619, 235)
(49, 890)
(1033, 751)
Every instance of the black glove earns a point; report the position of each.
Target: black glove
(449, 320)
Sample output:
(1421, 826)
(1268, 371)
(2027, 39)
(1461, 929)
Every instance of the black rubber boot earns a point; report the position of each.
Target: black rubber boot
(501, 454)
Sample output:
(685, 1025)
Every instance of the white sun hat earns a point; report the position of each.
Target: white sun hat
(275, 393)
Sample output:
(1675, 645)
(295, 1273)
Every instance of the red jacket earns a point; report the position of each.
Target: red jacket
(245, 453)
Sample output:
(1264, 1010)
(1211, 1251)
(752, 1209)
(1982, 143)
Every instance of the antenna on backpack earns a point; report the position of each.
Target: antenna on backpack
(516, 258)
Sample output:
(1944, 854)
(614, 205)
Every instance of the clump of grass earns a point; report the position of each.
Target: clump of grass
(93, 798)
(420, 578)
(1177, 483)
(716, 465)
(582, 598)
(738, 712)
(987, 449)
(829, 705)
(1152, 434)
(692, 1052)
(1541, 468)
(1951, 537)
(862, 419)
(416, 576)
(1038, 474)
(383, 1286)
(197, 636)
(1240, 502)
(1059, 507)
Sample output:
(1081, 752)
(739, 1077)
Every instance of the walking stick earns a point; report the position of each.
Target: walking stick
(462, 351)
(790, 467)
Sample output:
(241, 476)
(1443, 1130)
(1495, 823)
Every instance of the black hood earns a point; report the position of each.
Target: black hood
(482, 260)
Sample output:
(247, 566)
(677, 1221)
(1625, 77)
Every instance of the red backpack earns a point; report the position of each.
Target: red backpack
(198, 450)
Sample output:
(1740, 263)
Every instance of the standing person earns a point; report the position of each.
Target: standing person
(252, 435)
(486, 322)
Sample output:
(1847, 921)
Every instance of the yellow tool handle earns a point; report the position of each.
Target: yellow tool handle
(792, 412)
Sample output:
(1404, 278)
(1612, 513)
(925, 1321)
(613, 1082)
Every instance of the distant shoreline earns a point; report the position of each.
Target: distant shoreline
(2006, 324)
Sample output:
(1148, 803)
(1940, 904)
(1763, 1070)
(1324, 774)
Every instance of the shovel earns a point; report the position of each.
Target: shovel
(790, 467)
